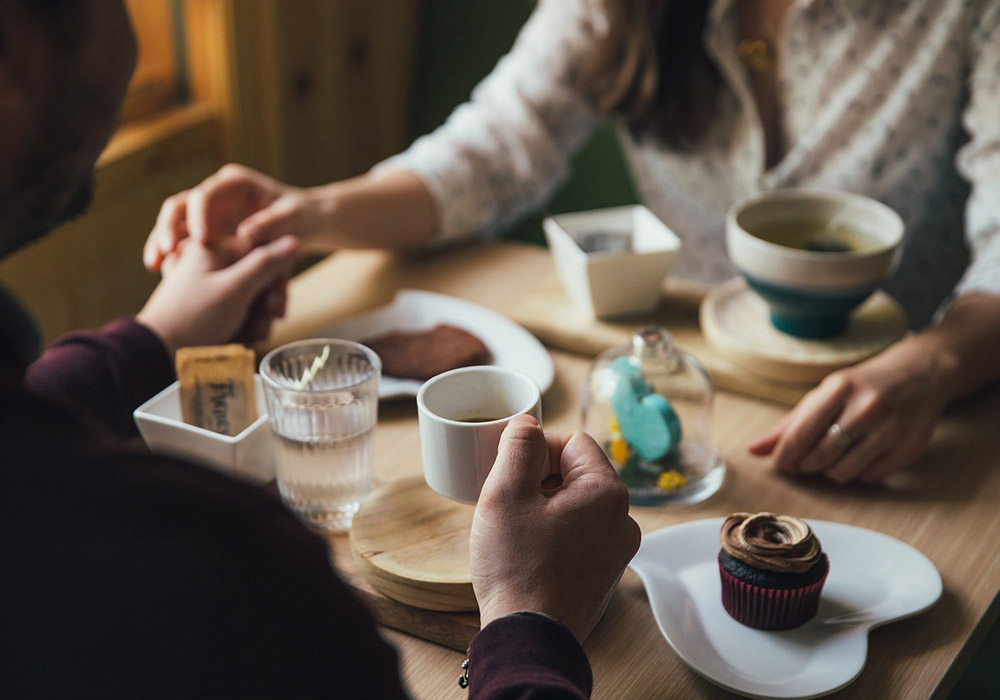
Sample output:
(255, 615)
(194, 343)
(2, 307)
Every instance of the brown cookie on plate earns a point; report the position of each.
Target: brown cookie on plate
(423, 354)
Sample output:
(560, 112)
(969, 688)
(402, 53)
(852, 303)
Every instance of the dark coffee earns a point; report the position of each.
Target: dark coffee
(477, 417)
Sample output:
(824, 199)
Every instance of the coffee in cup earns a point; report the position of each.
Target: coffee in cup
(462, 414)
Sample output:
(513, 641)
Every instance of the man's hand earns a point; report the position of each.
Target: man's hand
(558, 551)
(206, 298)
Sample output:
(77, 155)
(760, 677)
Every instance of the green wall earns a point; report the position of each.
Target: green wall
(460, 42)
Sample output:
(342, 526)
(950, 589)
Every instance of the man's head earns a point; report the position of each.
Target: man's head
(64, 68)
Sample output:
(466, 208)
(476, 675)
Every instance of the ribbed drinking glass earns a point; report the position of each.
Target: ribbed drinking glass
(323, 414)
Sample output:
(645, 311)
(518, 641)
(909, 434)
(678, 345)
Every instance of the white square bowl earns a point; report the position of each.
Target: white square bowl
(249, 455)
(613, 283)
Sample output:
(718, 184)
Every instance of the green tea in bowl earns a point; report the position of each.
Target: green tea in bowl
(815, 235)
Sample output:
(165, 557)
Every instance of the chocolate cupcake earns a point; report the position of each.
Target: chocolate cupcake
(772, 570)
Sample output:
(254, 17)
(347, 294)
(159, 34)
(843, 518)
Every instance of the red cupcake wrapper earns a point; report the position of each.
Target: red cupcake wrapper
(771, 608)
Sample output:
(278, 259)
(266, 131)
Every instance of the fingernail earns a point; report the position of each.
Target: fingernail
(148, 258)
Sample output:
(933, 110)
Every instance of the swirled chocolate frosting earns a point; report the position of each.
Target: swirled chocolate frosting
(771, 542)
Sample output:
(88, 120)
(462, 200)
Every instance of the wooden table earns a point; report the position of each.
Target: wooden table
(947, 506)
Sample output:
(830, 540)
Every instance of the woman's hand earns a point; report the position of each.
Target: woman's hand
(207, 298)
(238, 208)
(233, 210)
(868, 421)
(558, 551)
(885, 409)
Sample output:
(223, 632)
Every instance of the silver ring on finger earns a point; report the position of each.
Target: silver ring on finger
(840, 436)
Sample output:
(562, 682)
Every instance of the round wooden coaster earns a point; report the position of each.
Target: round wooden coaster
(735, 320)
(412, 544)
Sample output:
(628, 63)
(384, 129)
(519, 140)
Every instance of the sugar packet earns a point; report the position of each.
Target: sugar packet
(217, 387)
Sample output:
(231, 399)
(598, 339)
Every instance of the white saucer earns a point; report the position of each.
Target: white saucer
(874, 579)
(510, 345)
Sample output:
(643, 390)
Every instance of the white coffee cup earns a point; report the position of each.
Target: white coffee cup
(462, 414)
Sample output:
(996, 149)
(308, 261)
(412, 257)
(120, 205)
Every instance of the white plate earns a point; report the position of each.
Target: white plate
(874, 579)
(510, 345)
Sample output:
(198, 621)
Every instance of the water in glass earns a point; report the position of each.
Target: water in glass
(324, 428)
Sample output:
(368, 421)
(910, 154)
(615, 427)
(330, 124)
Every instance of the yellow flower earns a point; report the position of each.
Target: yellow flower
(619, 450)
(670, 480)
(614, 425)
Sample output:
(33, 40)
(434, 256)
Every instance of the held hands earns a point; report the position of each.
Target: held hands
(233, 210)
(207, 298)
(237, 217)
(557, 551)
(865, 422)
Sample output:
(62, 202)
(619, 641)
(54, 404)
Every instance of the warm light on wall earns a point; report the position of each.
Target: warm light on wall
(156, 83)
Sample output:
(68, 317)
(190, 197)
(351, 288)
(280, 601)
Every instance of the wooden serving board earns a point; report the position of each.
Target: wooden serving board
(558, 322)
(412, 545)
(737, 323)
(453, 630)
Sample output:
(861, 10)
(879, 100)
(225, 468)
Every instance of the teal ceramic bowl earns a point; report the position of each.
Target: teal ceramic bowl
(814, 256)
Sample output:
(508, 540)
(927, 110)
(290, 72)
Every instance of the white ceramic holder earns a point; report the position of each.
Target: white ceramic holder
(613, 283)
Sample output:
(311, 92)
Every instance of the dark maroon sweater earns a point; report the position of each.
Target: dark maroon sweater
(129, 574)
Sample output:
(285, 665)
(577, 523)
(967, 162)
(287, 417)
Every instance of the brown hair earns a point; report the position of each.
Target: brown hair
(650, 69)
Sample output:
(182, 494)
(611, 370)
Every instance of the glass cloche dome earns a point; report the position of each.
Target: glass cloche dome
(649, 405)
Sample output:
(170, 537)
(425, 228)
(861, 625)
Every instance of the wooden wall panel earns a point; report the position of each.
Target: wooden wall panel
(307, 91)
(333, 95)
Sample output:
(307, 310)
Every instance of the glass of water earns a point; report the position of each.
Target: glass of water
(322, 400)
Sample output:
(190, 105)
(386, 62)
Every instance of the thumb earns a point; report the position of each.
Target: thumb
(522, 458)
(259, 268)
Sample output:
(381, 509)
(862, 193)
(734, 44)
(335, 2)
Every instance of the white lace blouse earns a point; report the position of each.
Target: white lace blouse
(896, 99)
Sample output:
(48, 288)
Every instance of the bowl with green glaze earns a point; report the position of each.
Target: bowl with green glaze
(813, 255)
